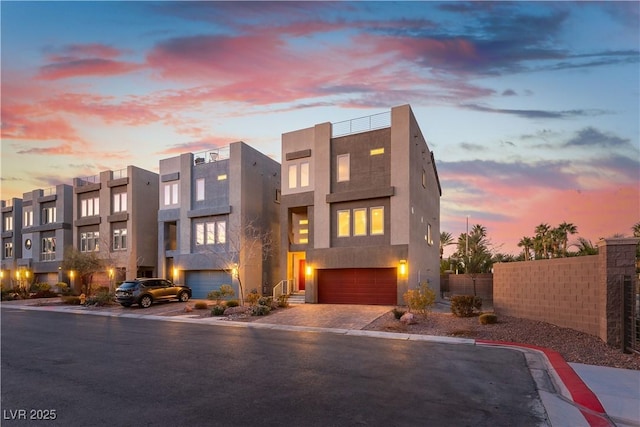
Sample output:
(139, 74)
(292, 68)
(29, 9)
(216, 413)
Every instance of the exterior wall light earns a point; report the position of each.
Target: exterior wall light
(234, 271)
(308, 270)
(174, 274)
(402, 268)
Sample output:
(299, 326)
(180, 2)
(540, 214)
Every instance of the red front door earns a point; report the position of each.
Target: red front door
(301, 273)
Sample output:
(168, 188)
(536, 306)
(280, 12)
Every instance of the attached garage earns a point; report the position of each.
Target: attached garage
(204, 281)
(372, 286)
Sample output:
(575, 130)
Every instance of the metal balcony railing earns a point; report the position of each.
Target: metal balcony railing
(361, 124)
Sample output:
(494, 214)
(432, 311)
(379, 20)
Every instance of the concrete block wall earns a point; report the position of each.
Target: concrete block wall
(581, 293)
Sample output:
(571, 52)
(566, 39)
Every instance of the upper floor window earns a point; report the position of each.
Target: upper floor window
(429, 236)
(210, 233)
(8, 223)
(344, 223)
(48, 215)
(299, 175)
(424, 178)
(119, 239)
(360, 222)
(90, 241)
(48, 249)
(343, 166)
(28, 218)
(171, 194)
(119, 202)
(90, 207)
(8, 250)
(377, 220)
(366, 221)
(293, 176)
(304, 174)
(200, 189)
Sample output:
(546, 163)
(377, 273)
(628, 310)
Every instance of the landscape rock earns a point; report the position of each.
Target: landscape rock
(235, 310)
(408, 319)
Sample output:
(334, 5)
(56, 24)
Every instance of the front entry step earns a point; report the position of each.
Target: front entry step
(296, 298)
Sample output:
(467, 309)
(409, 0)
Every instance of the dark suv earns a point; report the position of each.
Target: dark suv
(145, 291)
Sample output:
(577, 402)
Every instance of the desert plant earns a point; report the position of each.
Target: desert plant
(267, 301)
(260, 310)
(44, 294)
(71, 300)
(218, 310)
(253, 297)
(397, 313)
(488, 319)
(101, 298)
(201, 305)
(465, 305)
(283, 300)
(420, 300)
(63, 288)
(39, 287)
(233, 303)
(219, 294)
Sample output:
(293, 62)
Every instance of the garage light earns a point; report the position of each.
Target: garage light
(309, 270)
(403, 267)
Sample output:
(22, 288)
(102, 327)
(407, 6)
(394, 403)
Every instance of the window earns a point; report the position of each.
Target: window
(377, 221)
(89, 241)
(119, 202)
(28, 218)
(171, 194)
(8, 250)
(304, 174)
(343, 168)
(8, 223)
(120, 239)
(360, 222)
(48, 215)
(221, 228)
(293, 176)
(429, 237)
(424, 178)
(200, 234)
(344, 223)
(376, 151)
(210, 233)
(48, 249)
(200, 189)
(89, 207)
(222, 177)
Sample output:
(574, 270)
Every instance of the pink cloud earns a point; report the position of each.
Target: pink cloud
(18, 125)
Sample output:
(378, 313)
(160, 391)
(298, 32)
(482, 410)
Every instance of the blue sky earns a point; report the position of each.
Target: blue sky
(531, 108)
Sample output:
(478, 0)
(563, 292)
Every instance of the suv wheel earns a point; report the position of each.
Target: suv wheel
(145, 301)
(183, 297)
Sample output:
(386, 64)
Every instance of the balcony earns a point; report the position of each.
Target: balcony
(361, 124)
(210, 156)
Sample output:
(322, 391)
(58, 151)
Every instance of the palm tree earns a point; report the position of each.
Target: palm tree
(527, 244)
(542, 235)
(636, 229)
(446, 239)
(566, 228)
(585, 247)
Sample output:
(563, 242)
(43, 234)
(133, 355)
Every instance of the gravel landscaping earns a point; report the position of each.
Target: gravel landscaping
(574, 346)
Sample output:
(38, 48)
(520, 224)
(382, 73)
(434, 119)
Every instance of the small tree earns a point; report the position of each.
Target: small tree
(84, 265)
(420, 300)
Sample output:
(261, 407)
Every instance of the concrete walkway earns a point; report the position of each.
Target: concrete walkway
(572, 394)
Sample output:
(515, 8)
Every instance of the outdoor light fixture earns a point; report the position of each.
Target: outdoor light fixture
(175, 273)
(234, 271)
(308, 270)
(403, 267)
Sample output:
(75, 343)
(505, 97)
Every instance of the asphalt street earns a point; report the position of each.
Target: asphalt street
(92, 370)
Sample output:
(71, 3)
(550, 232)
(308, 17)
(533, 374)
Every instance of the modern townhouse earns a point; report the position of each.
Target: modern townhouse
(47, 222)
(11, 225)
(360, 210)
(115, 216)
(218, 216)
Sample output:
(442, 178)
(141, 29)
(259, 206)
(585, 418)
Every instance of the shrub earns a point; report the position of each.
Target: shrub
(266, 301)
(465, 305)
(39, 287)
(101, 298)
(260, 310)
(71, 300)
(488, 319)
(63, 288)
(218, 310)
(44, 294)
(201, 305)
(253, 297)
(233, 303)
(220, 294)
(283, 301)
(397, 313)
(9, 295)
(420, 300)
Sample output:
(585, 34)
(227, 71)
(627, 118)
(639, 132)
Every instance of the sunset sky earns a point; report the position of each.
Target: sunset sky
(532, 108)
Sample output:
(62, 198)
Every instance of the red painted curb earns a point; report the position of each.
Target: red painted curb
(580, 392)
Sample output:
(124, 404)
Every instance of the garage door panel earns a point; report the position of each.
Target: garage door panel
(357, 286)
(204, 281)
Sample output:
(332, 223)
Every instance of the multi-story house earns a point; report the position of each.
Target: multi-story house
(10, 275)
(47, 219)
(218, 217)
(360, 210)
(115, 216)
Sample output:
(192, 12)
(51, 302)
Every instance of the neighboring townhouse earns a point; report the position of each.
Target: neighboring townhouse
(360, 210)
(215, 208)
(115, 216)
(47, 222)
(10, 276)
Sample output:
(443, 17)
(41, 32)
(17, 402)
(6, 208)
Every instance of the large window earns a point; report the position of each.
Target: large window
(377, 221)
(90, 207)
(304, 174)
(299, 175)
(366, 222)
(344, 223)
(200, 189)
(293, 176)
(49, 215)
(211, 233)
(119, 202)
(8, 223)
(360, 222)
(90, 241)
(8, 250)
(171, 194)
(343, 167)
(28, 218)
(48, 249)
(119, 239)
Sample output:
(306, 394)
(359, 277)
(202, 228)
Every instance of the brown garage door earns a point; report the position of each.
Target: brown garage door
(357, 286)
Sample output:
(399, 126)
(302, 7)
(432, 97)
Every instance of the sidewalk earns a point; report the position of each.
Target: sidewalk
(572, 394)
